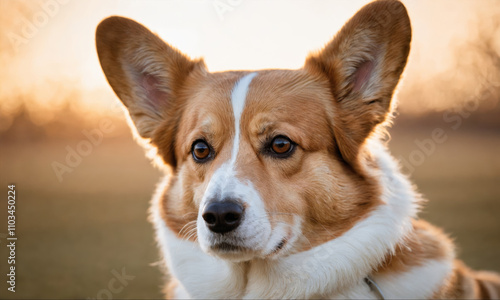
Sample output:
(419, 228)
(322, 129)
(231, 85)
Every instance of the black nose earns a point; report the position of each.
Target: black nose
(222, 217)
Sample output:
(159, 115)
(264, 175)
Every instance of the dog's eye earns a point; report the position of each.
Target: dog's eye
(282, 146)
(201, 151)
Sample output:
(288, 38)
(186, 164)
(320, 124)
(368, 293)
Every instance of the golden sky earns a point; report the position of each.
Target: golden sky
(47, 49)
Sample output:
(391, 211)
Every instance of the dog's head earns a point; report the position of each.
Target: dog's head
(269, 162)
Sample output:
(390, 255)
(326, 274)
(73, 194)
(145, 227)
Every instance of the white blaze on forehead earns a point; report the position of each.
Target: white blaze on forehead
(238, 98)
(224, 181)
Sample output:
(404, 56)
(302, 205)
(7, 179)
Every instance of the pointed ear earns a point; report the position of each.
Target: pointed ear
(363, 64)
(146, 74)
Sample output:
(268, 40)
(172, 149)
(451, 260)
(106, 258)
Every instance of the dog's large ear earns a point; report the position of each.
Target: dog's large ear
(363, 63)
(146, 74)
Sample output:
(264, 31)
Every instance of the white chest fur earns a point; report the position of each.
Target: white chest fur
(204, 276)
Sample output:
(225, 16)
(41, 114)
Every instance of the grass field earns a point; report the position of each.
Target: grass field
(76, 234)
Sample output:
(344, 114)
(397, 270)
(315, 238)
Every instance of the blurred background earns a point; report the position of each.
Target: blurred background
(83, 185)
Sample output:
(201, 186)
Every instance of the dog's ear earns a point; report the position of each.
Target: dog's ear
(363, 63)
(146, 74)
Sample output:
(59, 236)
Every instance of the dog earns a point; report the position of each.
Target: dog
(278, 182)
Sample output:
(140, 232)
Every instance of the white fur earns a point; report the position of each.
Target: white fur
(201, 275)
(255, 228)
(420, 282)
(333, 269)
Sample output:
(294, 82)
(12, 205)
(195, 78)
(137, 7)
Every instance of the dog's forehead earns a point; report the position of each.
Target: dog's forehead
(208, 104)
(288, 96)
(292, 97)
(221, 107)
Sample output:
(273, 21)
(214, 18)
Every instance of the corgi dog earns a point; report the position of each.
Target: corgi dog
(278, 182)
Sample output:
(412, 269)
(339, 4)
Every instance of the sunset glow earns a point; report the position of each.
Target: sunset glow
(48, 54)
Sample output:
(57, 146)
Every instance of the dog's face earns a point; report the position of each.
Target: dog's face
(257, 165)
(270, 162)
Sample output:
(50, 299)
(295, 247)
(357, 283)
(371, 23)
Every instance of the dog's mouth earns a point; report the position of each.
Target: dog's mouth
(276, 251)
(236, 252)
(259, 242)
(231, 251)
(225, 247)
(235, 247)
(280, 245)
(229, 247)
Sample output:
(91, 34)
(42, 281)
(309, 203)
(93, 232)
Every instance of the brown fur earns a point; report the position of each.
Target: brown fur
(464, 283)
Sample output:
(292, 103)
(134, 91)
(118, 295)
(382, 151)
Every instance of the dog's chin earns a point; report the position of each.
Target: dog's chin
(231, 252)
(237, 253)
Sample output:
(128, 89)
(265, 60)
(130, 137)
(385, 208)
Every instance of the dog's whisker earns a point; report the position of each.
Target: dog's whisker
(189, 233)
(186, 226)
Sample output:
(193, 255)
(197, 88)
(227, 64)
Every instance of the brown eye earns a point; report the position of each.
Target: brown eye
(281, 146)
(201, 151)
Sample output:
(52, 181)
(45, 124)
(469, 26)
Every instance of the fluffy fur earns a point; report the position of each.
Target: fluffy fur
(320, 219)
